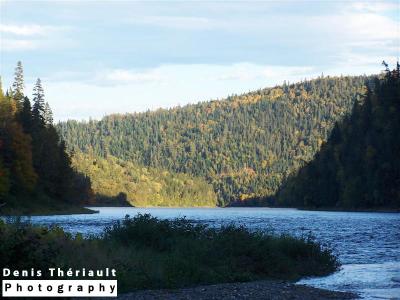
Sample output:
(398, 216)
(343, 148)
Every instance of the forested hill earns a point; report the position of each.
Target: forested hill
(359, 166)
(244, 145)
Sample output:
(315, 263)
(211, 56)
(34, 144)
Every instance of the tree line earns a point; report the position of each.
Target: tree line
(35, 168)
(244, 145)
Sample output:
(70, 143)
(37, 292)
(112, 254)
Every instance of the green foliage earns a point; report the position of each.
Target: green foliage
(15, 150)
(119, 182)
(34, 165)
(244, 145)
(359, 166)
(152, 253)
(18, 84)
(38, 110)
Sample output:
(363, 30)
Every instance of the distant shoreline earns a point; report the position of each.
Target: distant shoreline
(366, 210)
(376, 210)
(328, 209)
(92, 210)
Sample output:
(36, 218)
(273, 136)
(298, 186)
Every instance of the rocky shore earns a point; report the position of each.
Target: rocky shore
(257, 290)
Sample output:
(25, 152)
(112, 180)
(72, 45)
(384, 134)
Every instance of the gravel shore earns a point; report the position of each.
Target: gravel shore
(257, 290)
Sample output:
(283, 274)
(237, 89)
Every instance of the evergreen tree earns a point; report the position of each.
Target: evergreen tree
(38, 103)
(18, 84)
(48, 115)
(25, 115)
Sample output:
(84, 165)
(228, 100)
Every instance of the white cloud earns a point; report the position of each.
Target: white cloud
(352, 38)
(32, 36)
(365, 26)
(355, 29)
(358, 37)
(28, 29)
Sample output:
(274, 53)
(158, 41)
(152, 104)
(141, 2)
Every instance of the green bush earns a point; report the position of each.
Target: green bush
(152, 253)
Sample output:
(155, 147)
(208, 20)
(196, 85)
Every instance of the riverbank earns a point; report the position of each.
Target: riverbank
(254, 203)
(255, 290)
(335, 209)
(44, 210)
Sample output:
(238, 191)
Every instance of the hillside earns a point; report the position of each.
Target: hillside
(117, 182)
(244, 145)
(359, 165)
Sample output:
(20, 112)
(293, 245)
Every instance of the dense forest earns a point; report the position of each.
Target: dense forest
(359, 165)
(35, 169)
(117, 182)
(270, 146)
(244, 145)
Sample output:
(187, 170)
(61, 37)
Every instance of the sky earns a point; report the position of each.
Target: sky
(101, 57)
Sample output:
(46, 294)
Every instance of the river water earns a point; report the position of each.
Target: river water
(367, 244)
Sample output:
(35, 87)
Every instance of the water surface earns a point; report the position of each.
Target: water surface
(367, 244)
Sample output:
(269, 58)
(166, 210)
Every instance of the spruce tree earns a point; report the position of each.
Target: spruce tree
(18, 84)
(48, 115)
(25, 115)
(38, 103)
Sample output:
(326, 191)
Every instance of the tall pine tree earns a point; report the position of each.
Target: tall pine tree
(48, 115)
(18, 84)
(38, 110)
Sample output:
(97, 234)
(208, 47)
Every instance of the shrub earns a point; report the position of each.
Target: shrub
(152, 253)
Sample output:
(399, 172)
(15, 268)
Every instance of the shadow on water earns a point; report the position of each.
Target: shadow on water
(120, 200)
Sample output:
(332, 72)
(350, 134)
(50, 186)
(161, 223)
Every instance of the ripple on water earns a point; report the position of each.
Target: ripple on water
(368, 244)
(372, 281)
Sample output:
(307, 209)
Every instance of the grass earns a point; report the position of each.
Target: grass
(151, 253)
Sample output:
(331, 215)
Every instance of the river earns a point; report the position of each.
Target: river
(367, 244)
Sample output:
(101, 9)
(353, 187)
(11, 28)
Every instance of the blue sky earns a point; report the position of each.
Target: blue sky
(102, 57)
